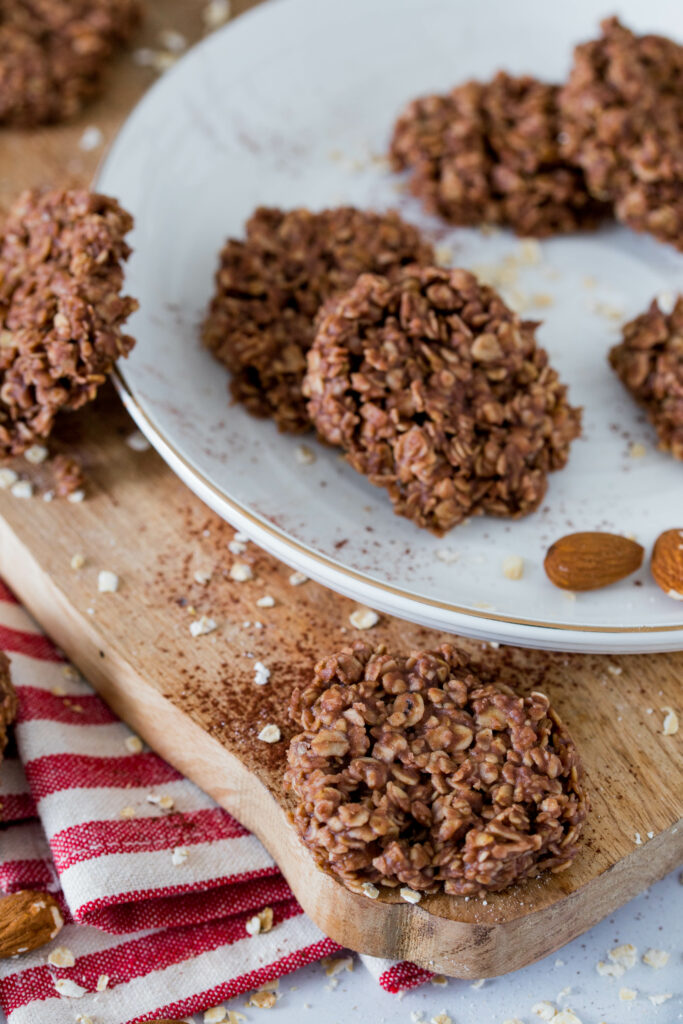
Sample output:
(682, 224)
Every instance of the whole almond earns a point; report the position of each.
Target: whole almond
(28, 920)
(667, 563)
(587, 561)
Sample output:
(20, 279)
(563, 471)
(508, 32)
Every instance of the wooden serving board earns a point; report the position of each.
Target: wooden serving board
(194, 700)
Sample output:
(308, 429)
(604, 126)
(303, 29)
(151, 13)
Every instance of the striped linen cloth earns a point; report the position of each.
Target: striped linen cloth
(155, 896)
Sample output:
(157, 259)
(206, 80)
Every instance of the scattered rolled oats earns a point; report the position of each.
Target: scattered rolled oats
(262, 1000)
(513, 567)
(172, 40)
(69, 989)
(304, 455)
(261, 673)
(363, 618)
(297, 578)
(270, 734)
(657, 1000)
(202, 577)
(179, 855)
(77, 561)
(215, 1015)
(333, 965)
(410, 895)
(544, 1010)
(91, 138)
(625, 955)
(127, 812)
(370, 890)
(61, 957)
(202, 626)
(133, 744)
(36, 454)
(627, 995)
(215, 14)
(102, 982)
(609, 970)
(22, 489)
(266, 601)
(137, 441)
(656, 958)
(107, 582)
(241, 572)
(260, 923)
(670, 723)
(164, 802)
(8, 477)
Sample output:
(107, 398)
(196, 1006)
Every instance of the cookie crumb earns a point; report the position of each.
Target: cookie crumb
(261, 673)
(61, 957)
(91, 139)
(8, 477)
(202, 577)
(138, 442)
(22, 489)
(297, 578)
(305, 456)
(107, 582)
(410, 895)
(133, 744)
(266, 601)
(77, 561)
(370, 890)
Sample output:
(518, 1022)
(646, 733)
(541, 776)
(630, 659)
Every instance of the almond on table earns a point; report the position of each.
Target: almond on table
(28, 920)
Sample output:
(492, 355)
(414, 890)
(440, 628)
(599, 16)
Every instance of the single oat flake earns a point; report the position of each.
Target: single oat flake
(179, 855)
(202, 626)
(513, 567)
(215, 1015)
(270, 734)
(133, 744)
(36, 454)
(656, 958)
(670, 723)
(240, 572)
(107, 582)
(61, 957)
(69, 989)
(363, 618)
(410, 895)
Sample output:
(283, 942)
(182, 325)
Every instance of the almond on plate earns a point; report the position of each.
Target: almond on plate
(587, 561)
(28, 920)
(667, 563)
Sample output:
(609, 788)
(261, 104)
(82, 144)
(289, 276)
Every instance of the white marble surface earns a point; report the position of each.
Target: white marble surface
(652, 920)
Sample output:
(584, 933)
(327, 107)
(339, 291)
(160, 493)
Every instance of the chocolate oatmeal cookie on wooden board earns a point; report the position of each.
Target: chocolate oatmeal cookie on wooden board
(61, 311)
(417, 770)
(488, 153)
(270, 286)
(622, 123)
(53, 54)
(649, 363)
(8, 701)
(437, 391)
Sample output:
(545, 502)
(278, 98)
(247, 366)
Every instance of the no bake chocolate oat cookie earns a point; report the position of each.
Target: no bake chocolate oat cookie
(438, 392)
(622, 122)
(61, 311)
(649, 362)
(417, 771)
(488, 153)
(8, 703)
(53, 54)
(270, 286)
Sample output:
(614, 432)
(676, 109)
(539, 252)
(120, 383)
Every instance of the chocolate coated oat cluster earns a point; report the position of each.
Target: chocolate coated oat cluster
(53, 54)
(488, 153)
(270, 286)
(437, 391)
(61, 308)
(649, 362)
(622, 119)
(415, 771)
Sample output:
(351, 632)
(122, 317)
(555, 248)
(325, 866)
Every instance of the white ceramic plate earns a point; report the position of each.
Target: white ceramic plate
(287, 106)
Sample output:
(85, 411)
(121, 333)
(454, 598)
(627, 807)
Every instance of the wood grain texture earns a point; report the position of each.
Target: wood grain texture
(194, 700)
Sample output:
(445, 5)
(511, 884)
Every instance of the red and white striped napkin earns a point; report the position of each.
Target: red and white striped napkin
(156, 895)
